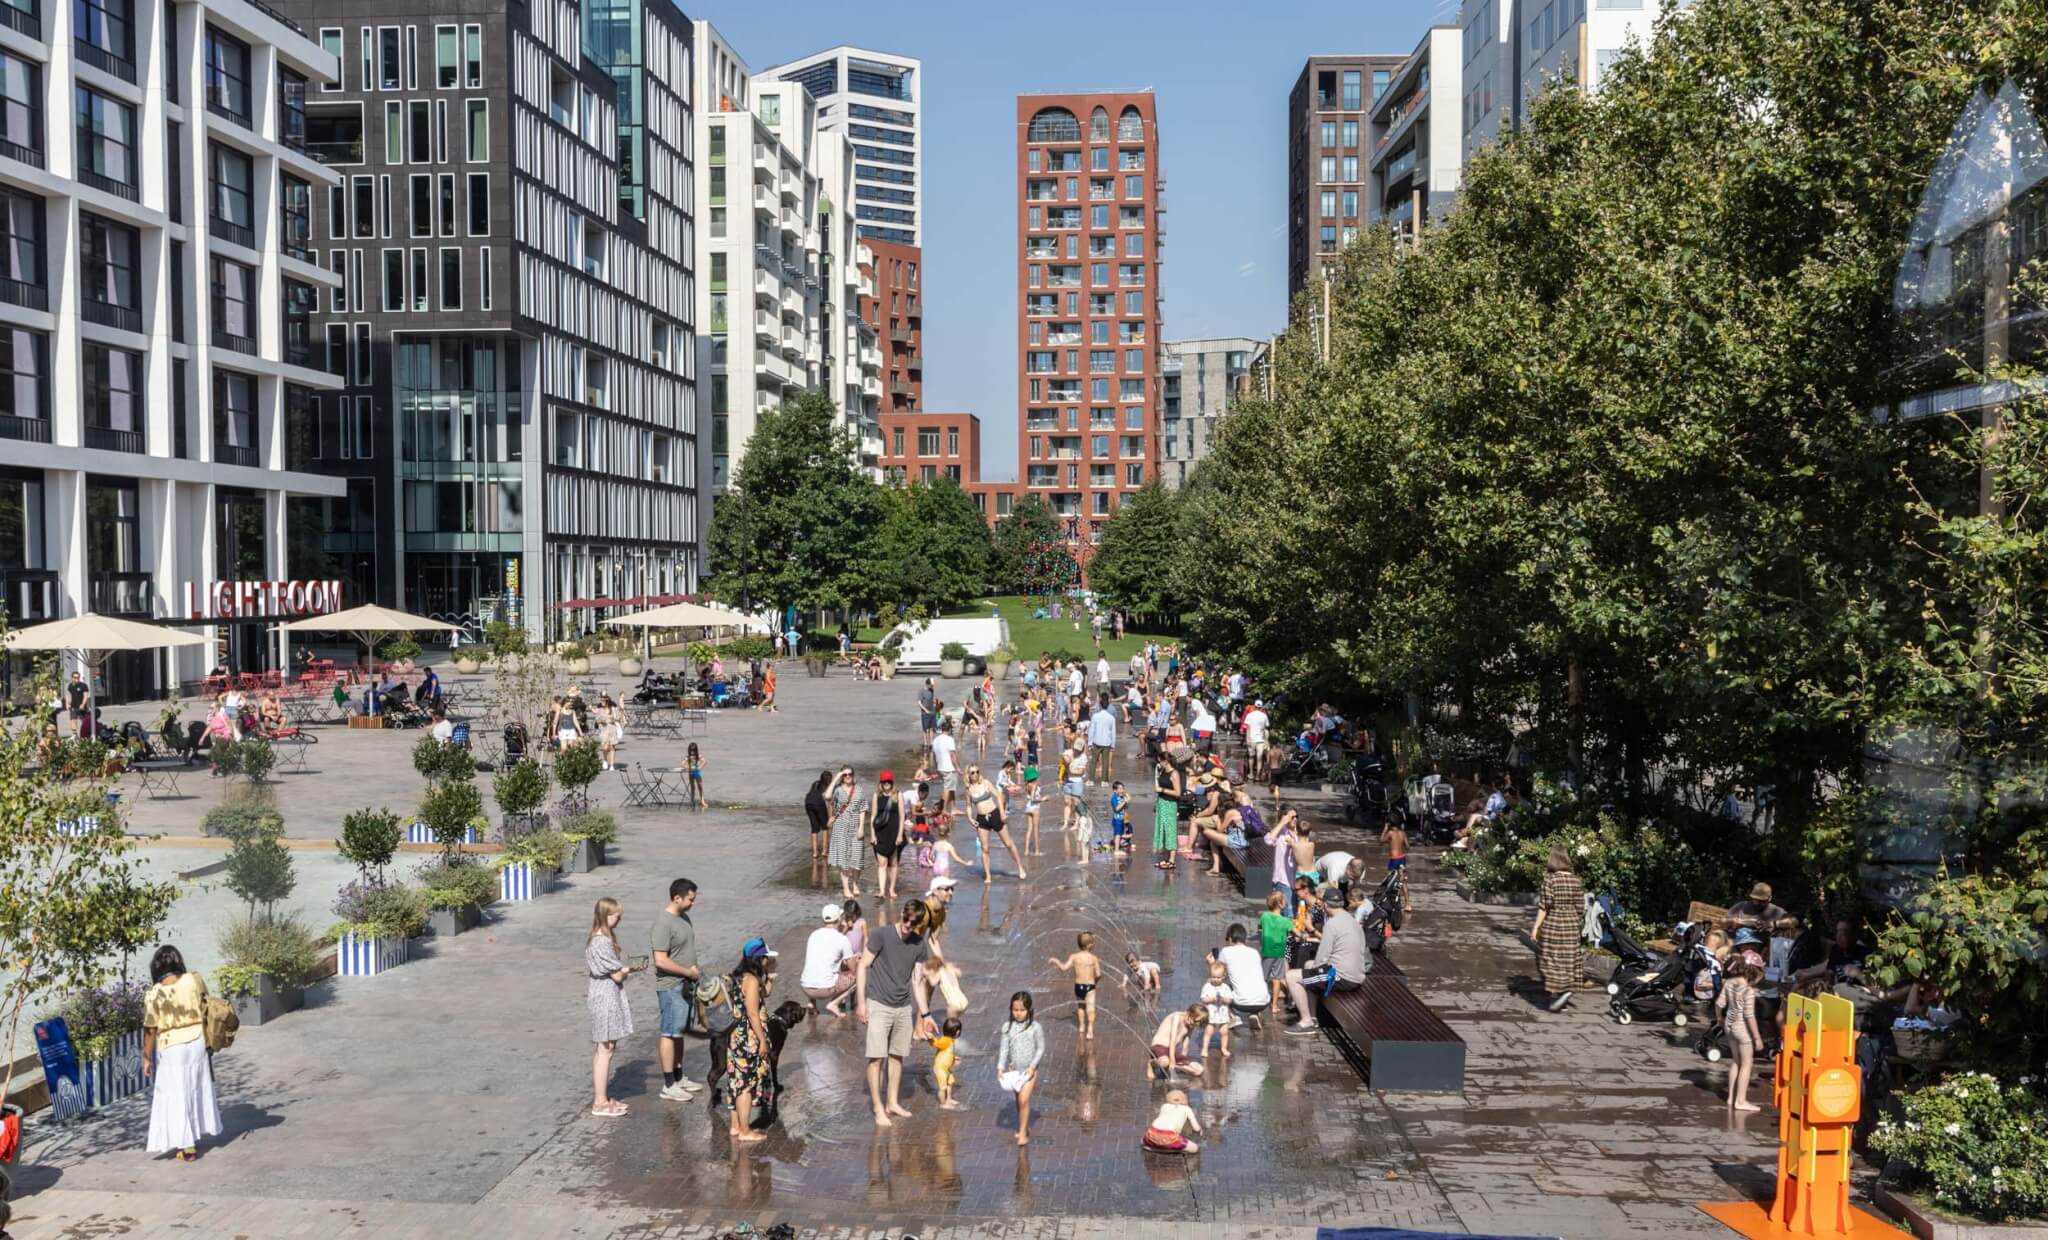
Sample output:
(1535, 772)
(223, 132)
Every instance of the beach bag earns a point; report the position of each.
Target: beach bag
(714, 996)
(221, 1023)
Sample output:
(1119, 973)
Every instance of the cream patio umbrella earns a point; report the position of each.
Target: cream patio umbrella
(95, 637)
(680, 616)
(361, 622)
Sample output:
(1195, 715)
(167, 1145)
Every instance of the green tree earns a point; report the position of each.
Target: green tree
(369, 839)
(1133, 566)
(932, 548)
(1017, 542)
(797, 524)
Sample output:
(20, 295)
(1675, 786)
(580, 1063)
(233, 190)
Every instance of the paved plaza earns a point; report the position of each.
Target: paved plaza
(450, 1097)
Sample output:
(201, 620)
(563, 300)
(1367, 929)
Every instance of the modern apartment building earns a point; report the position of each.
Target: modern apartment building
(924, 447)
(872, 98)
(518, 434)
(1089, 230)
(896, 313)
(782, 280)
(1416, 155)
(1326, 131)
(163, 391)
(1514, 48)
(1200, 381)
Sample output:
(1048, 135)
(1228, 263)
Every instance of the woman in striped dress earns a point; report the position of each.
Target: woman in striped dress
(1560, 912)
(845, 851)
(610, 1019)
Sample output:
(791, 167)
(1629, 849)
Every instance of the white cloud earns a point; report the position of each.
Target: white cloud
(1246, 268)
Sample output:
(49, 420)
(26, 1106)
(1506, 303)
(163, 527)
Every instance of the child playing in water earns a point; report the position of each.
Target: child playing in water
(943, 855)
(1119, 824)
(1170, 1042)
(944, 977)
(1175, 1117)
(1087, 971)
(1144, 972)
(1033, 799)
(942, 1063)
(1274, 927)
(1217, 996)
(694, 763)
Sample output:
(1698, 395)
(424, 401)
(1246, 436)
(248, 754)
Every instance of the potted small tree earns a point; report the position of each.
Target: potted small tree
(469, 660)
(455, 889)
(1000, 659)
(270, 958)
(575, 767)
(400, 652)
(519, 790)
(588, 835)
(527, 867)
(575, 658)
(952, 660)
(890, 649)
(376, 917)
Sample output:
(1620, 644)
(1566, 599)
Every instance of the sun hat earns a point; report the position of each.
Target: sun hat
(831, 912)
(1762, 891)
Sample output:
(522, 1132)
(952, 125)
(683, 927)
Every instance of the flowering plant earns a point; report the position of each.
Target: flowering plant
(1976, 1145)
(372, 908)
(97, 1018)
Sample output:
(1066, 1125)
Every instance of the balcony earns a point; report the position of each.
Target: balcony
(21, 293)
(108, 439)
(27, 430)
(103, 60)
(107, 314)
(917, 362)
(106, 184)
(225, 339)
(898, 387)
(1042, 251)
(15, 150)
(764, 202)
(767, 327)
(899, 335)
(1054, 338)
(228, 230)
(225, 453)
(29, 24)
(350, 152)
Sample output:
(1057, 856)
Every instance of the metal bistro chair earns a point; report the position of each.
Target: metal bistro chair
(639, 790)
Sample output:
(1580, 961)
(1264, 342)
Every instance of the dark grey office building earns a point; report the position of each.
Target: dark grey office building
(1327, 159)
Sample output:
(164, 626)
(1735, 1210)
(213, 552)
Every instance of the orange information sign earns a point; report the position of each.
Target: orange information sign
(1819, 1096)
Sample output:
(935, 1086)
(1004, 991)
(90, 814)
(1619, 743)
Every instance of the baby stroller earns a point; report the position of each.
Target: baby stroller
(1432, 808)
(1629, 954)
(515, 743)
(404, 712)
(1660, 989)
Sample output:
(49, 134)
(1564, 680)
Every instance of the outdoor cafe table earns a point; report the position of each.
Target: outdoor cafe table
(663, 792)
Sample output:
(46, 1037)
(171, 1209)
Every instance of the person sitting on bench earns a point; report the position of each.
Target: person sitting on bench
(1341, 963)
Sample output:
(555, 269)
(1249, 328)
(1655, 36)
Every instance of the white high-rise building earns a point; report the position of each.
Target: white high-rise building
(1416, 161)
(872, 98)
(1512, 49)
(779, 280)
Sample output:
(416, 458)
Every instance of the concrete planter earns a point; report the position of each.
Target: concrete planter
(468, 667)
(449, 922)
(888, 669)
(268, 1002)
(1929, 1222)
(522, 880)
(577, 667)
(815, 666)
(1517, 899)
(583, 857)
(630, 666)
(999, 670)
(421, 833)
(952, 669)
(115, 1076)
(367, 955)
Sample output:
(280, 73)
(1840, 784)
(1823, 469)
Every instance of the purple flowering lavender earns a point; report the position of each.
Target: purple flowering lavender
(356, 901)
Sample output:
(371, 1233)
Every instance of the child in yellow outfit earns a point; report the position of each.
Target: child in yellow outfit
(942, 1063)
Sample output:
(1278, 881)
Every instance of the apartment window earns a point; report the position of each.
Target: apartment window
(1328, 239)
(227, 76)
(24, 278)
(104, 34)
(1098, 274)
(1381, 79)
(1352, 86)
(419, 145)
(368, 39)
(440, 131)
(387, 58)
(1130, 389)
(384, 217)
(927, 441)
(1351, 167)
(477, 130)
(1098, 389)
(337, 349)
(234, 305)
(447, 58)
(291, 109)
(1098, 216)
(1134, 360)
(952, 442)
(330, 42)
(112, 379)
(1098, 159)
(106, 143)
(394, 131)
(483, 278)
(472, 56)
(358, 285)
(420, 206)
(1134, 418)
(446, 201)
(451, 278)
(109, 276)
(364, 192)
(21, 109)
(1132, 445)
(1329, 133)
(234, 418)
(1134, 303)
(295, 218)
(1326, 168)
(480, 204)
(1134, 245)
(1328, 202)
(24, 383)
(394, 281)
(1351, 204)
(1134, 475)
(1102, 361)
(233, 177)
(421, 290)
(364, 363)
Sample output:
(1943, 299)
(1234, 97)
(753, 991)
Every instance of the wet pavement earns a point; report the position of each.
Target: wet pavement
(457, 1086)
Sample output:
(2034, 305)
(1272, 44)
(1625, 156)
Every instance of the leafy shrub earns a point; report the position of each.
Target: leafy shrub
(384, 910)
(599, 826)
(521, 787)
(700, 653)
(953, 650)
(252, 759)
(78, 758)
(456, 883)
(397, 648)
(99, 1016)
(1975, 1146)
(472, 654)
(279, 948)
(576, 765)
(573, 650)
(435, 760)
(751, 646)
(540, 849)
(369, 839)
(260, 871)
(449, 808)
(243, 818)
(504, 640)
(1005, 653)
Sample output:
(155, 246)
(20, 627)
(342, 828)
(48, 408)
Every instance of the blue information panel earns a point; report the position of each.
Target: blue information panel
(60, 1068)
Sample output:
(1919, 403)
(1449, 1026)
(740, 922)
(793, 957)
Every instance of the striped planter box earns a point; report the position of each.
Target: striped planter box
(82, 826)
(116, 1076)
(367, 956)
(520, 881)
(421, 833)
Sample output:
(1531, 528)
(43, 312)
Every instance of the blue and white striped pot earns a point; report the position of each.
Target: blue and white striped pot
(367, 955)
(116, 1076)
(520, 881)
(421, 833)
(81, 826)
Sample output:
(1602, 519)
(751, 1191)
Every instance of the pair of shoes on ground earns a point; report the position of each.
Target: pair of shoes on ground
(683, 1090)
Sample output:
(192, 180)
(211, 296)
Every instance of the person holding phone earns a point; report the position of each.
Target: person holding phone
(610, 1018)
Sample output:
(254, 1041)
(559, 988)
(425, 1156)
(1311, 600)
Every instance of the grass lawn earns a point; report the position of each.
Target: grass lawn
(1034, 637)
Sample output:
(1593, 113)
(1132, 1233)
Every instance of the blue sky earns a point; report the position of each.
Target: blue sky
(1221, 72)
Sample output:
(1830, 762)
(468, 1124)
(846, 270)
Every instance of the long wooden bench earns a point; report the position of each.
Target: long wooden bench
(1256, 857)
(1698, 912)
(1392, 1038)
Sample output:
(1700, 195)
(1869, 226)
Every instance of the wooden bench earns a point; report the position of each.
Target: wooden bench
(1698, 912)
(1392, 1038)
(1256, 857)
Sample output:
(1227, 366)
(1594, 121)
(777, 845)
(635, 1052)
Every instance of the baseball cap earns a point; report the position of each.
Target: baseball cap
(757, 947)
(831, 912)
(940, 884)
(887, 777)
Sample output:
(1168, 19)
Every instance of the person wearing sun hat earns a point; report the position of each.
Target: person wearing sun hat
(1758, 910)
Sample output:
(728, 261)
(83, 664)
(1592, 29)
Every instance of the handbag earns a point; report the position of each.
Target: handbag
(221, 1023)
(714, 996)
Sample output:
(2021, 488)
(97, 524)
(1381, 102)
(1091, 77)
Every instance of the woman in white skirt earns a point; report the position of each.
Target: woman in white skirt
(181, 1104)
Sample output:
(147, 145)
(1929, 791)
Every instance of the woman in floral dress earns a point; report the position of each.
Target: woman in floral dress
(610, 1019)
(1560, 912)
(748, 1067)
(845, 851)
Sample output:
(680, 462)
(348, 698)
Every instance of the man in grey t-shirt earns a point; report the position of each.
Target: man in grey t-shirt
(1341, 963)
(675, 985)
(883, 997)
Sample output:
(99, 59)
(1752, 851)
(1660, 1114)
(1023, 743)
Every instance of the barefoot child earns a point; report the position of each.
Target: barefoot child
(1170, 1041)
(942, 1063)
(1119, 822)
(1017, 1057)
(943, 855)
(1274, 927)
(1738, 1017)
(1087, 971)
(1165, 1136)
(1144, 973)
(1217, 996)
(1033, 799)
(694, 763)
